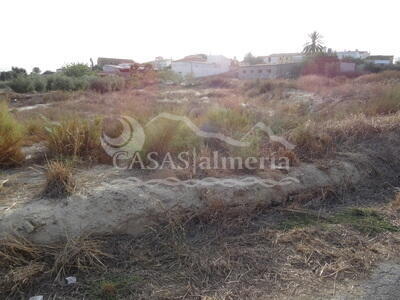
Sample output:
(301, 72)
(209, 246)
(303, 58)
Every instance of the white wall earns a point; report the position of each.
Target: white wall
(215, 65)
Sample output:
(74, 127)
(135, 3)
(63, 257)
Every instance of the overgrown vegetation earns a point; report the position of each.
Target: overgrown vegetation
(74, 138)
(11, 137)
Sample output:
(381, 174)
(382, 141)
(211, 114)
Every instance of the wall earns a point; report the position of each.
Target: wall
(268, 71)
(202, 69)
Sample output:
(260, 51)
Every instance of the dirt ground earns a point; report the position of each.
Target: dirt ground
(333, 242)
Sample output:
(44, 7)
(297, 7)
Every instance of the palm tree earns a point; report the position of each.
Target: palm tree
(315, 46)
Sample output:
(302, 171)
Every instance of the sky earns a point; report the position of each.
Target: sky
(51, 33)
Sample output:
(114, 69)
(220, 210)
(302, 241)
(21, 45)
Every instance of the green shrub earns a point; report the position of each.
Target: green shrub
(61, 82)
(39, 83)
(81, 83)
(4, 85)
(22, 84)
(77, 70)
(11, 135)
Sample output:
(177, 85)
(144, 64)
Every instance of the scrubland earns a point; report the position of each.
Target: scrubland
(219, 252)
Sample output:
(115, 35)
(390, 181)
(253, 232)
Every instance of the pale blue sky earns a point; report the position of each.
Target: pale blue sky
(50, 33)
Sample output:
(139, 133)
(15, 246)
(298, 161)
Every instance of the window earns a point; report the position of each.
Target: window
(244, 72)
(260, 71)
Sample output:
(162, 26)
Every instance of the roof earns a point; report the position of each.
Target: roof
(380, 57)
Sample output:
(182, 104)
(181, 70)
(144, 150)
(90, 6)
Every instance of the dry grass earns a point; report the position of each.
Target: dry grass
(59, 180)
(395, 204)
(74, 138)
(83, 254)
(382, 77)
(24, 263)
(11, 138)
(218, 252)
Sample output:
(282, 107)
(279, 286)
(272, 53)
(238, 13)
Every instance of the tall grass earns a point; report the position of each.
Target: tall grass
(11, 136)
(74, 138)
(388, 103)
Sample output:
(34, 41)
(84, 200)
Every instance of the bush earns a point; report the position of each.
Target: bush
(59, 180)
(107, 84)
(60, 82)
(81, 83)
(39, 83)
(74, 138)
(22, 84)
(11, 135)
(100, 85)
(168, 75)
(77, 70)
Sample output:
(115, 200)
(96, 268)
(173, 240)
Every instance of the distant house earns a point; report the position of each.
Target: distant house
(201, 65)
(382, 60)
(283, 58)
(352, 54)
(268, 71)
(102, 61)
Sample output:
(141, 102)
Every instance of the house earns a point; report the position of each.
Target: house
(352, 54)
(283, 58)
(382, 60)
(102, 61)
(201, 65)
(160, 63)
(268, 71)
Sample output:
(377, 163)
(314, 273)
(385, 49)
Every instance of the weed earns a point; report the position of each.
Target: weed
(59, 180)
(365, 220)
(11, 137)
(74, 138)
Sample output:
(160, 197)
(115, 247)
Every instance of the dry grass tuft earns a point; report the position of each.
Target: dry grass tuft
(24, 276)
(59, 180)
(17, 251)
(79, 254)
(11, 136)
(395, 204)
(74, 138)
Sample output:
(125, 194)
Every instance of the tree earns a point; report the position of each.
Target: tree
(315, 46)
(77, 70)
(250, 59)
(36, 70)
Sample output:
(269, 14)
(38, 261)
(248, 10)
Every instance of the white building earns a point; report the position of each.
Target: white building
(352, 54)
(283, 58)
(382, 60)
(201, 65)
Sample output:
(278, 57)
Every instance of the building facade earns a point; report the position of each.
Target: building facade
(199, 66)
(268, 71)
(382, 60)
(283, 58)
(352, 54)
